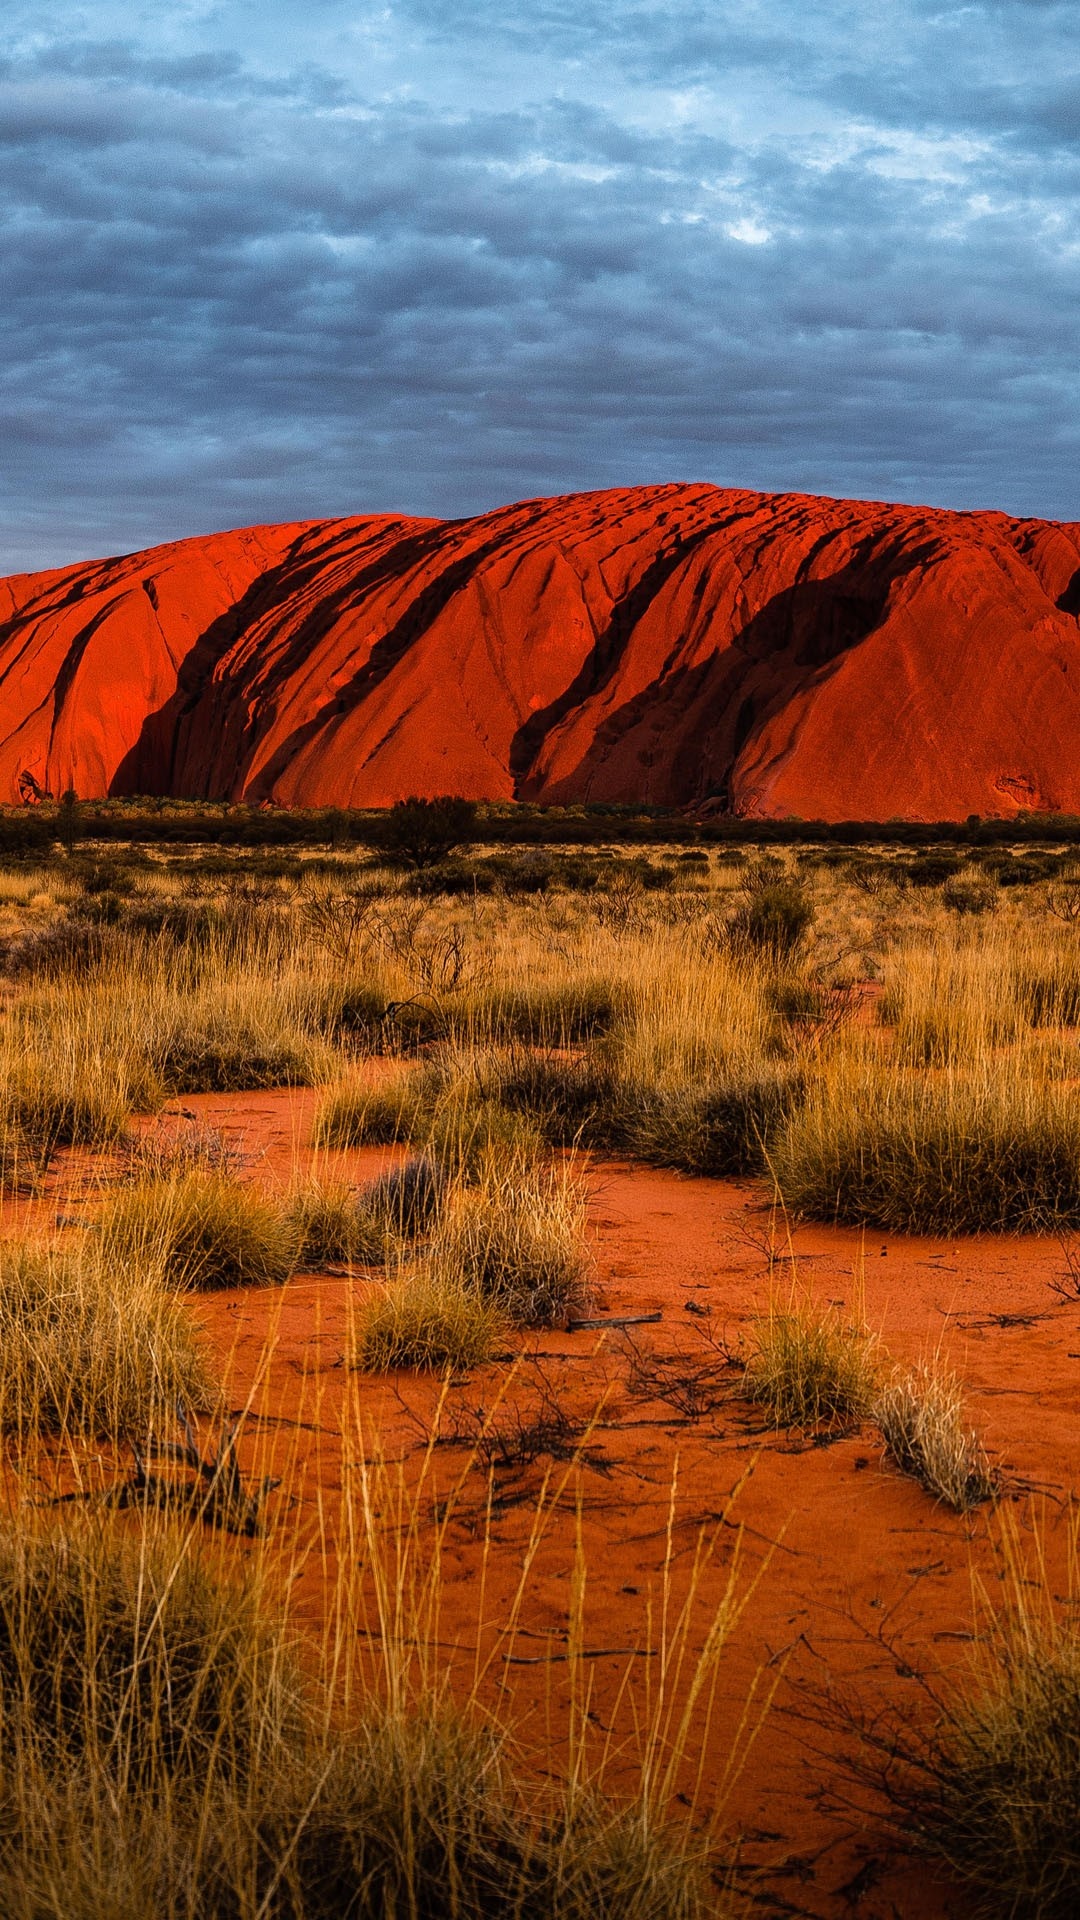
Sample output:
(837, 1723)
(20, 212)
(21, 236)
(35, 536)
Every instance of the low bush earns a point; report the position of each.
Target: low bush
(202, 1230)
(427, 1319)
(969, 896)
(808, 1368)
(472, 1136)
(406, 1200)
(72, 947)
(89, 1348)
(419, 833)
(921, 1416)
(328, 1226)
(773, 920)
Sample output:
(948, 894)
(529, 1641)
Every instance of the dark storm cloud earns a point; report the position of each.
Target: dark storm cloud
(458, 256)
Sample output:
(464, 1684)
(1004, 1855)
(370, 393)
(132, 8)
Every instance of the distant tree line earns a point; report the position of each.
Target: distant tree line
(421, 832)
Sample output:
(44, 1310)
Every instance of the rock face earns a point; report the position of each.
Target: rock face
(770, 654)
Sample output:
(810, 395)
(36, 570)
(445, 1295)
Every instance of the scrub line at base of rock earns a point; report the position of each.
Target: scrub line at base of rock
(765, 654)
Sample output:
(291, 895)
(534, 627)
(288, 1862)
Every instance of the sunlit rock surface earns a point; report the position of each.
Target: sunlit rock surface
(769, 654)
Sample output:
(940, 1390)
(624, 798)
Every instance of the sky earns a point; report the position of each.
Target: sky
(267, 260)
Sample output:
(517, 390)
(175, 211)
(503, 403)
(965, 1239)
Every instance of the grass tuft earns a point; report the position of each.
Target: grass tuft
(357, 1114)
(429, 1319)
(920, 1154)
(516, 1239)
(126, 1656)
(807, 1368)
(921, 1416)
(91, 1349)
(337, 1223)
(201, 1230)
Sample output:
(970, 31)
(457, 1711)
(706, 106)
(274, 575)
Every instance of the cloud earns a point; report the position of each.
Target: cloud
(458, 256)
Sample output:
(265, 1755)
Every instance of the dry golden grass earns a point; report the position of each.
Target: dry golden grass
(993, 1148)
(515, 1236)
(921, 1416)
(984, 1781)
(91, 1346)
(201, 1230)
(430, 1318)
(807, 1367)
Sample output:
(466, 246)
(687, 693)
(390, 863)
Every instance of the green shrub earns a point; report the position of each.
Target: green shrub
(470, 1136)
(969, 896)
(72, 1102)
(223, 1058)
(419, 833)
(380, 1024)
(574, 1102)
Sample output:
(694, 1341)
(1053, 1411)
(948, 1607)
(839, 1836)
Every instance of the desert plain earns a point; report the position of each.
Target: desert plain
(592, 1331)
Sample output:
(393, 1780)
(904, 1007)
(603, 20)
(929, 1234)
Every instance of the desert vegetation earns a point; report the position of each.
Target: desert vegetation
(878, 1038)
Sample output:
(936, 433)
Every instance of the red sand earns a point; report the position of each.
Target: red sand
(860, 1570)
(776, 654)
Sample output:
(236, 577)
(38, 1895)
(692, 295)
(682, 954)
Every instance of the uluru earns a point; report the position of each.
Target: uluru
(679, 645)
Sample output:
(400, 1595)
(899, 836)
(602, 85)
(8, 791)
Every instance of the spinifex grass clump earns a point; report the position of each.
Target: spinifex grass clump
(430, 1318)
(921, 1416)
(516, 1238)
(449, 1109)
(90, 1348)
(558, 1014)
(357, 1113)
(985, 1151)
(218, 1059)
(124, 1656)
(722, 1127)
(987, 1783)
(806, 1367)
(202, 1230)
(338, 1223)
(63, 1098)
(574, 1100)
